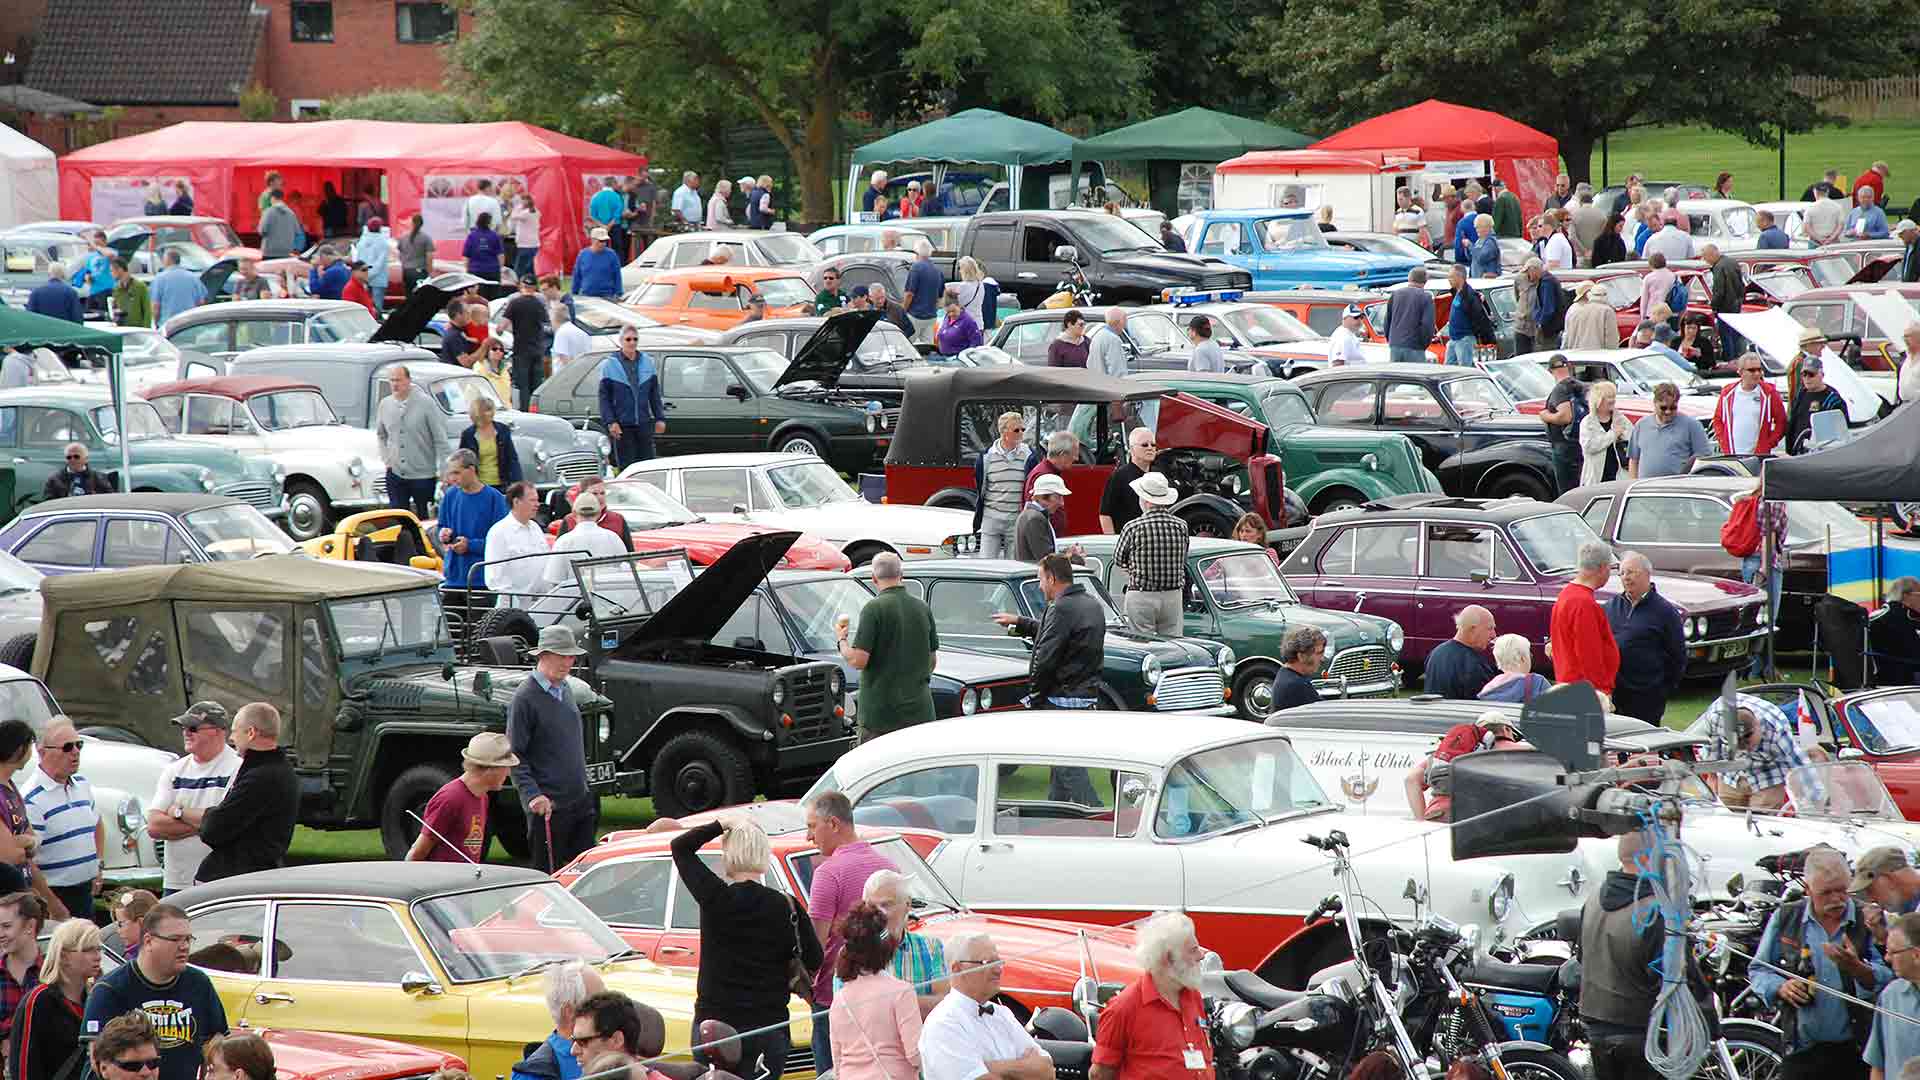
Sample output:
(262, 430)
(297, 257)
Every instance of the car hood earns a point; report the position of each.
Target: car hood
(307, 1055)
(1354, 263)
(707, 541)
(1340, 627)
(1171, 652)
(227, 463)
(1508, 425)
(1689, 592)
(1048, 944)
(124, 766)
(969, 666)
(1169, 264)
(825, 355)
(405, 322)
(700, 609)
(915, 525)
(555, 432)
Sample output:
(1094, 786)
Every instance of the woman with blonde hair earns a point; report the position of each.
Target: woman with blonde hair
(975, 289)
(1517, 681)
(46, 1023)
(1603, 436)
(491, 441)
(749, 933)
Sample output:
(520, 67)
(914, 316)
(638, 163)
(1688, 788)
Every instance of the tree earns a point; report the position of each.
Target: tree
(584, 65)
(409, 106)
(1576, 71)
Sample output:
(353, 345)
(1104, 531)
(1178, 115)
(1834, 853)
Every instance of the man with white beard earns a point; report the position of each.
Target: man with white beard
(1153, 1029)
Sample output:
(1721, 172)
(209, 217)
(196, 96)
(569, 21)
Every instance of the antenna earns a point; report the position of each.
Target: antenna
(461, 851)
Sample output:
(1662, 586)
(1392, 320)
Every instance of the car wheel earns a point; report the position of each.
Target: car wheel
(801, 442)
(1906, 516)
(1337, 499)
(1208, 523)
(309, 513)
(410, 791)
(862, 554)
(506, 622)
(1253, 692)
(18, 651)
(1523, 485)
(697, 771)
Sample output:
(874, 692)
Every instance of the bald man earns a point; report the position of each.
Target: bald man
(1651, 636)
(1459, 667)
(1112, 352)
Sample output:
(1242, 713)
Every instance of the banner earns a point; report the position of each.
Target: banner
(1850, 569)
(443, 201)
(118, 197)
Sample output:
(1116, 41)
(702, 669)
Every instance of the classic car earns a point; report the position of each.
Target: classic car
(861, 270)
(110, 532)
(1634, 374)
(738, 399)
(1469, 432)
(1880, 728)
(1418, 559)
(1216, 456)
(788, 251)
(1209, 815)
(794, 491)
(1842, 319)
(1285, 249)
(355, 378)
(1790, 216)
(1328, 468)
(658, 519)
(1155, 344)
(387, 535)
(1138, 671)
(1387, 243)
(26, 260)
(1271, 338)
(1620, 290)
(1322, 309)
(1611, 194)
(20, 605)
(1237, 597)
(221, 330)
(143, 240)
(853, 239)
(145, 356)
(440, 955)
(1827, 269)
(1499, 294)
(1030, 252)
(38, 422)
(331, 469)
(629, 880)
(1728, 224)
(882, 351)
(126, 652)
(715, 297)
(794, 611)
(1858, 253)
(1675, 522)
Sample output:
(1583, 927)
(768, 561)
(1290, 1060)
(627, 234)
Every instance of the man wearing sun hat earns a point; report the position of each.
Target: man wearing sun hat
(456, 817)
(1033, 535)
(195, 780)
(1813, 343)
(1886, 876)
(546, 735)
(1153, 551)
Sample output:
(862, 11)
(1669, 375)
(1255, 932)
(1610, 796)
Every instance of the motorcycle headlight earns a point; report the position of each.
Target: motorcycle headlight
(1150, 670)
(1237, 1024)
(986, 698)
(779, 694)
(133, 820)
(1500, 897)
(356, 468)
(1396, 637)
(969, 703)
(1226, 660)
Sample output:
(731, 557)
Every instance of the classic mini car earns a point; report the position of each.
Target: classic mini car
(1272, 339)
(1842, 319)
(1209, 815)
(794, 491)
(1138, 671)
(444, 956)
(37, 423)
(332, 469)
(1470, 433)
(658, 520)
(1237, 597)
(1419, 559)
(853, 239)
(355, 378)
(1675, 522)
(1328, 468)
(715, 297)
(1285, 249)
(126, 652)
(788, 251)
(1215, 456)
(110, 532)
(629, 880)
(221, 330)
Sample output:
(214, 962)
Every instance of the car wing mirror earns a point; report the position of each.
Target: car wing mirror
(1852, 753)
(753, 643)
(1479, 577)
(419, 982)
(735, 390)
(1066, 253)
(740, 508)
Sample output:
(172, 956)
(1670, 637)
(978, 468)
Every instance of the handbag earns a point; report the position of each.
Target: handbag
(799, 979)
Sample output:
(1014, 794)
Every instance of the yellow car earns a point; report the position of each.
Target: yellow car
(446, 956)
(383, 535)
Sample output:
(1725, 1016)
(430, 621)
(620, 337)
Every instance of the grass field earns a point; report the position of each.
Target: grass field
(1672, 153)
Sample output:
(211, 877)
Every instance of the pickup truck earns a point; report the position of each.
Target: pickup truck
(1030, 252)
(1285, 249)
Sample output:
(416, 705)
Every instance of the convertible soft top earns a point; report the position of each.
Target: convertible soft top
(271, 579)
(926, 431)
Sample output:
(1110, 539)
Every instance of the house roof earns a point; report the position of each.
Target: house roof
(186, 52)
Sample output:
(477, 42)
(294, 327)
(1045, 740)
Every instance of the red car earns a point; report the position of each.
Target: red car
(320, 1055)
(658, 521)
(628, 879)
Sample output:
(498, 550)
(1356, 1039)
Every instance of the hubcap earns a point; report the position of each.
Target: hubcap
(797, 446)
(699, 786)
(1260, 696)
(304, 516)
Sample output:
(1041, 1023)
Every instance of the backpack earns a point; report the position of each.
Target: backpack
(1741, 534)
(1677, 297)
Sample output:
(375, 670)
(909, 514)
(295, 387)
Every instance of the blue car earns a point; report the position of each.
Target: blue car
(1284, 249)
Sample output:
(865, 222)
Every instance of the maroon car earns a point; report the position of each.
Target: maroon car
(1418, 559)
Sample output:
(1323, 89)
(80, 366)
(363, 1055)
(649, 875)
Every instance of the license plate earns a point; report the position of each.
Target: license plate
(1733, 648)
(600, 772)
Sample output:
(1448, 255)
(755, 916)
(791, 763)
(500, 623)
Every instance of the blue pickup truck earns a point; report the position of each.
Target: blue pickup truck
(1284, 249)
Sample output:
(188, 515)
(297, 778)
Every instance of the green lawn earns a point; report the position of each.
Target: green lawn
(357, 845)
(1674, 153)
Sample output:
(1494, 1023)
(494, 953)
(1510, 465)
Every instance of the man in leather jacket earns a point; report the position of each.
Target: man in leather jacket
(1069, 640)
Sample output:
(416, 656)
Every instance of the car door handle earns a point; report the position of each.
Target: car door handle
(19, 461)
(1026, 274)
(1333, 584)
(675, 950)
(670, 406)
(996, 845)
(264, 998)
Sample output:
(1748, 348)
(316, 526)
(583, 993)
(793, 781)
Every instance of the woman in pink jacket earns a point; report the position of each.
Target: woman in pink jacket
(874, 1023)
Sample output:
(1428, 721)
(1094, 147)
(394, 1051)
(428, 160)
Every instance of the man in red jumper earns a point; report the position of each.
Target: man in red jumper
(1581, 641)
(1751, 416)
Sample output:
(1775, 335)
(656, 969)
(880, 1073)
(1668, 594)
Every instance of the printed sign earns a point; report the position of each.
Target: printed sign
(443, 201)
(118, 197)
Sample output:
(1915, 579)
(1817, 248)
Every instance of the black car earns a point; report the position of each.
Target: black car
(1029, 252)
(879, 362)
(1470, 433)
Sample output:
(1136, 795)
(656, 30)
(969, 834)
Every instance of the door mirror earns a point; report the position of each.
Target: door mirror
(1478, 577)
(753, 643)
(735, 390)
(419, 982)
(1852, 753)
(740, 508)
(1066, 253)
(1133, 791)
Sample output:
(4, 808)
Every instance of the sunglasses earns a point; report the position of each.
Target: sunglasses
(1664, 410)
(67, 747)
(75, 457)
(151, 1064)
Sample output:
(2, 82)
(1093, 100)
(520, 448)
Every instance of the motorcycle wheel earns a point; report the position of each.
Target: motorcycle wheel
(1523, 1064)
(1756, 1049)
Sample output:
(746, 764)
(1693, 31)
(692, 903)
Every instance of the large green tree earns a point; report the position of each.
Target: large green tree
(797, 68)
(1576, 71)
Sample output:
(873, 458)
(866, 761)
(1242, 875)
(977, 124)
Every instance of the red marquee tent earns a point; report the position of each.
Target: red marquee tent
(430, 169)
(1435, 131)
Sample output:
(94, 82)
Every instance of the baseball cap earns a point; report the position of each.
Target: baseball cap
(1812, 365)
(598, 234)
(1877, 861)
(204, 712)
(1558, 362)
(1352, 312)
(1663, 333)
(587, 505)
(1905, 224)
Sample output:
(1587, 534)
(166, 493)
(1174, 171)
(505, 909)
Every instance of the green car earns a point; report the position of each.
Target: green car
(37, 423)
(1330, 468)
(1236, 596)
(1143, 672)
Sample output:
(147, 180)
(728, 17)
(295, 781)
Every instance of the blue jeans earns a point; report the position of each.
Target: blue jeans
(822, 1041)
(523, 264)
(1409, 356)
(1460, 351)
(1750, 573)
(415, 494)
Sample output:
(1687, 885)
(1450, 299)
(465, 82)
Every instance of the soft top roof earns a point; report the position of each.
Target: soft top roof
(926, 429)
(274, 578)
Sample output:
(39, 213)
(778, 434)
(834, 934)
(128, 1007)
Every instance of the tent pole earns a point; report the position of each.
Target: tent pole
(1879, 590)
(117, 374)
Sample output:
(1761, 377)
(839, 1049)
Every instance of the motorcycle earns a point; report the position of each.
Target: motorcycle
(1073, 290)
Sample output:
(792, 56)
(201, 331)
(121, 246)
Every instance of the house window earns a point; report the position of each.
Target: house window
(307, 108)
(312, 20)
(419, 22)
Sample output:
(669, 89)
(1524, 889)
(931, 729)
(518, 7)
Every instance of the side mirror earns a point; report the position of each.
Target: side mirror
(1371, 461)
(1133, 792)
(1479, 577)
(1736, 884)
(419, 982)
(1066, 253)
(740, 508)
(1852, 753)
(483, 685)
(735, 390)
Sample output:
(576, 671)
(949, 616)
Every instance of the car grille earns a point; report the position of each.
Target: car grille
(1190, 688)
(262, 495)
(1225, 279)
(1722, 624)
(380, 485)
(810, 701)
(1007, 695)
(1362, 664)
(576, 465)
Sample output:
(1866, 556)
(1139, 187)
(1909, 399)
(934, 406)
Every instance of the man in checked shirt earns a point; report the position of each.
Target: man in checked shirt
(1153, 552)
(1762, 733)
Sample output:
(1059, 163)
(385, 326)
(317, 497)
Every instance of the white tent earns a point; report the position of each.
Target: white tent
(29, 182)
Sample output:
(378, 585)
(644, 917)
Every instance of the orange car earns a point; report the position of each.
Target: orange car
(715, 297)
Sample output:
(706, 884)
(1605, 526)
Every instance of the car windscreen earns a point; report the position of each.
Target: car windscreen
(762, 367)
(284, 410)
(1110, 235)
(885, 344)
(17, 577)
(142, 347)
(644, 506)
(1653, 368)
(1292, 234)
(626, 587)
(1264, 325)
(1244, 783)
(1284, 409)
(458, 393)
(342, 324)
(1621, 290)
(813, 606)
(512, 930)
(1552, 542)
(1477, 396)
(1244, 579)
(1523, 380)
(142, 420)
(1830, 271)
(1887, 725)
(598, 316)
(784, 291)
(809, 483)
(382, 624)
(1783, 284)
(788, 249)
(236, 533)
(924, 887)
(1037, 600)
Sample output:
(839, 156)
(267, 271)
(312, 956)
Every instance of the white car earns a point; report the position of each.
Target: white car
(123, 777)
(332, 470)
(147, 358)
(1791, 217)
(799, 491)
(745, 247)
(1728, 224)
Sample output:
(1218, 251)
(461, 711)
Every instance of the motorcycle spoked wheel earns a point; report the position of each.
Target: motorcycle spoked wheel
(1523, 1064)
(1757, 1050)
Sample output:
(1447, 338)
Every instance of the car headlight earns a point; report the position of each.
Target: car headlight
(206, 481)
(1150, 670)
(986, 698)
(356, 468)
(133, 820)
(1500, 897)
(873, 423)
(540, 454)
(1226, 660)
(603, 444)
(1237, 1024)
(606, 728)
(1396, 637)
(836, 680)
(969, 703)
(279, 474)
(779, 694)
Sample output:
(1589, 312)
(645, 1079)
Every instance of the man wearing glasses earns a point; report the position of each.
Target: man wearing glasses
(1751, 416)
(195, 780)
(829, 296)
(77, 478)
(1666, 443)
(1000, 476)
(60, 808)
(178, 1000)
(1815, 396)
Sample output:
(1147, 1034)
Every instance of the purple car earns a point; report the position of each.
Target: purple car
(1418, 559)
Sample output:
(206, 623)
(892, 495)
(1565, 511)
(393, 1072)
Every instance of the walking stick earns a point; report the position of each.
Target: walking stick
(547, 818)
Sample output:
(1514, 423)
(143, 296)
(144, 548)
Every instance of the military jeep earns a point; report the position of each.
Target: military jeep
(355, 656)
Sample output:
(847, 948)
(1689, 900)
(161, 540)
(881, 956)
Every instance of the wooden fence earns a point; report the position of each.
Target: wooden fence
(1893, 98)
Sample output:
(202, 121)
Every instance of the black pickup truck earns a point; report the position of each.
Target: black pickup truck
(1023, 251)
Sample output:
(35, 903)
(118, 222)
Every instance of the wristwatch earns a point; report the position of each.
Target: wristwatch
(177, 812)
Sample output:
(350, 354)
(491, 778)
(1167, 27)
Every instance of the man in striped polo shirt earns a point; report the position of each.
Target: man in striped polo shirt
(60, 809)
(1000, 476)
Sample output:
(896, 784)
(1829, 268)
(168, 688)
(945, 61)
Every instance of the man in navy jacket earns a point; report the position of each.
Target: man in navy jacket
(631, 406)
